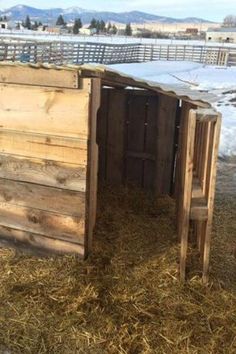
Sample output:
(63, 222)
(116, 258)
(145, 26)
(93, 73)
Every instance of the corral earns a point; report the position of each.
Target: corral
(69, 52)
(64, 129)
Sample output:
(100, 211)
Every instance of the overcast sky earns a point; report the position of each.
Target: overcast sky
(211, 9)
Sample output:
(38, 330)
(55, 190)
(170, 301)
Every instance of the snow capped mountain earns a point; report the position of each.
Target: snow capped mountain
(74, 10)
(19, 12)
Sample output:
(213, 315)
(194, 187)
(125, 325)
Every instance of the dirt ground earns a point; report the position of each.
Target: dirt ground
(126, 298)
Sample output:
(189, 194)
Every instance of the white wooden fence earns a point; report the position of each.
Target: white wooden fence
(108, 53)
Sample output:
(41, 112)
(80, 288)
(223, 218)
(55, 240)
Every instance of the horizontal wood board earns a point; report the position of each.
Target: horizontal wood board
(39, 77)
(45, 110)
(43, 165)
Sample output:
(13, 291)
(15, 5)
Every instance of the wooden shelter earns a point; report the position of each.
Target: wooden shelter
(64, 128)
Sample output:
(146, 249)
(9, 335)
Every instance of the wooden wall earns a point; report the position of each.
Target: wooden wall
(136, 138)
(43, 157)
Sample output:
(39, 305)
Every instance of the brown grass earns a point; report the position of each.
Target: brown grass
(126, 298)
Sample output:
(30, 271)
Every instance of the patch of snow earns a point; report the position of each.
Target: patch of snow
(76, 9)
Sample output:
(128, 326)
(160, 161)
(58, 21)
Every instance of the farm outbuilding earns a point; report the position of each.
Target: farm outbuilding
(66, 130)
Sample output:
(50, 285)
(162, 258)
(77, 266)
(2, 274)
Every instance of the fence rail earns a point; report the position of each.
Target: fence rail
(106, 53)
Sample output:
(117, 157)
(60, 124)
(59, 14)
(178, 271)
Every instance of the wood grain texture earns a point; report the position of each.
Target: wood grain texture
(44, 198)
(45, 110)
(210, 191)
(102, 122)
(48, 147)
(165, 144)
(55, 225)
(44, 172)
(187, 158)
(37, 243)
(115, 136)
(179, 174)
(92, 175)
(39, 77)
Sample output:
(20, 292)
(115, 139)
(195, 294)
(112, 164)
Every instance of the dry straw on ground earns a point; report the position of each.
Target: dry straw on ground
(126, 298)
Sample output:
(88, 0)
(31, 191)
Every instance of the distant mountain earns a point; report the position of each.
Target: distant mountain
(19, 12)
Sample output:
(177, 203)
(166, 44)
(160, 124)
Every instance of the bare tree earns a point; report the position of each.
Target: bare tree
(229, 21)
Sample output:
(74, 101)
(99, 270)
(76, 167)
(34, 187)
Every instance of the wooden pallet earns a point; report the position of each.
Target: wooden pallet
(197, 176)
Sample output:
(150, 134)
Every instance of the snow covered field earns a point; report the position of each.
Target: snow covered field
(220, 81)
(32, 35)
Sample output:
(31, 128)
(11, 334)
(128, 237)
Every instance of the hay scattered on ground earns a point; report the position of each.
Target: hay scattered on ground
(126, 298)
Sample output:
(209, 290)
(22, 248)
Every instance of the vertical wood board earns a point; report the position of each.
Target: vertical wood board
(165, 144)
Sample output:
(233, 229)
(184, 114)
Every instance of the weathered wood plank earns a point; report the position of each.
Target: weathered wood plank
(39, 76)
(35, 109)
(210, 191)
(58, 226)
(44, 172)
(165, 144)
(135, 138)
(151, 124)
(115, 136)
(102, 121)
(187, 157)
(92, 175)
(48, 147)
(40, 197)
(179, 173)
(36, 242)
(136, 123)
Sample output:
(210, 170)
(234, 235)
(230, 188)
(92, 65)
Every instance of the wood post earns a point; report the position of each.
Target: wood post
(186, 187)
(200, 134)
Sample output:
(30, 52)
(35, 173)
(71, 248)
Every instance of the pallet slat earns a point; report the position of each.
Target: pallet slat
(36, 242)
(55, 225)
(40, 197)
(43, 110)
(44, 172)
(47, 147)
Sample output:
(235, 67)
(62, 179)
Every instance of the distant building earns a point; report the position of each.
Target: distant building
(70, 25)
(18, 25)
(192, 31)
(4, 24)
(57, 30)
(88, 31)
(222, 34)
(42, 28)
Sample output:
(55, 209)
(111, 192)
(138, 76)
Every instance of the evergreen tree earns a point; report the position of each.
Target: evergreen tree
(93, 23)
(128, 30)
(114, 29)
(35, 26)
(77, 26)
(27, 23)
(102, 26)
(60, 21)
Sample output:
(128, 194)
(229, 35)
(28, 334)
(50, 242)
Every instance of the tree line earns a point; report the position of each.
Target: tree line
(99, 26)
(29, 25)
(3, 18)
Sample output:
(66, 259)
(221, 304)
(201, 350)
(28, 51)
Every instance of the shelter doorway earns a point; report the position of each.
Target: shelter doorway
(137, 133)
